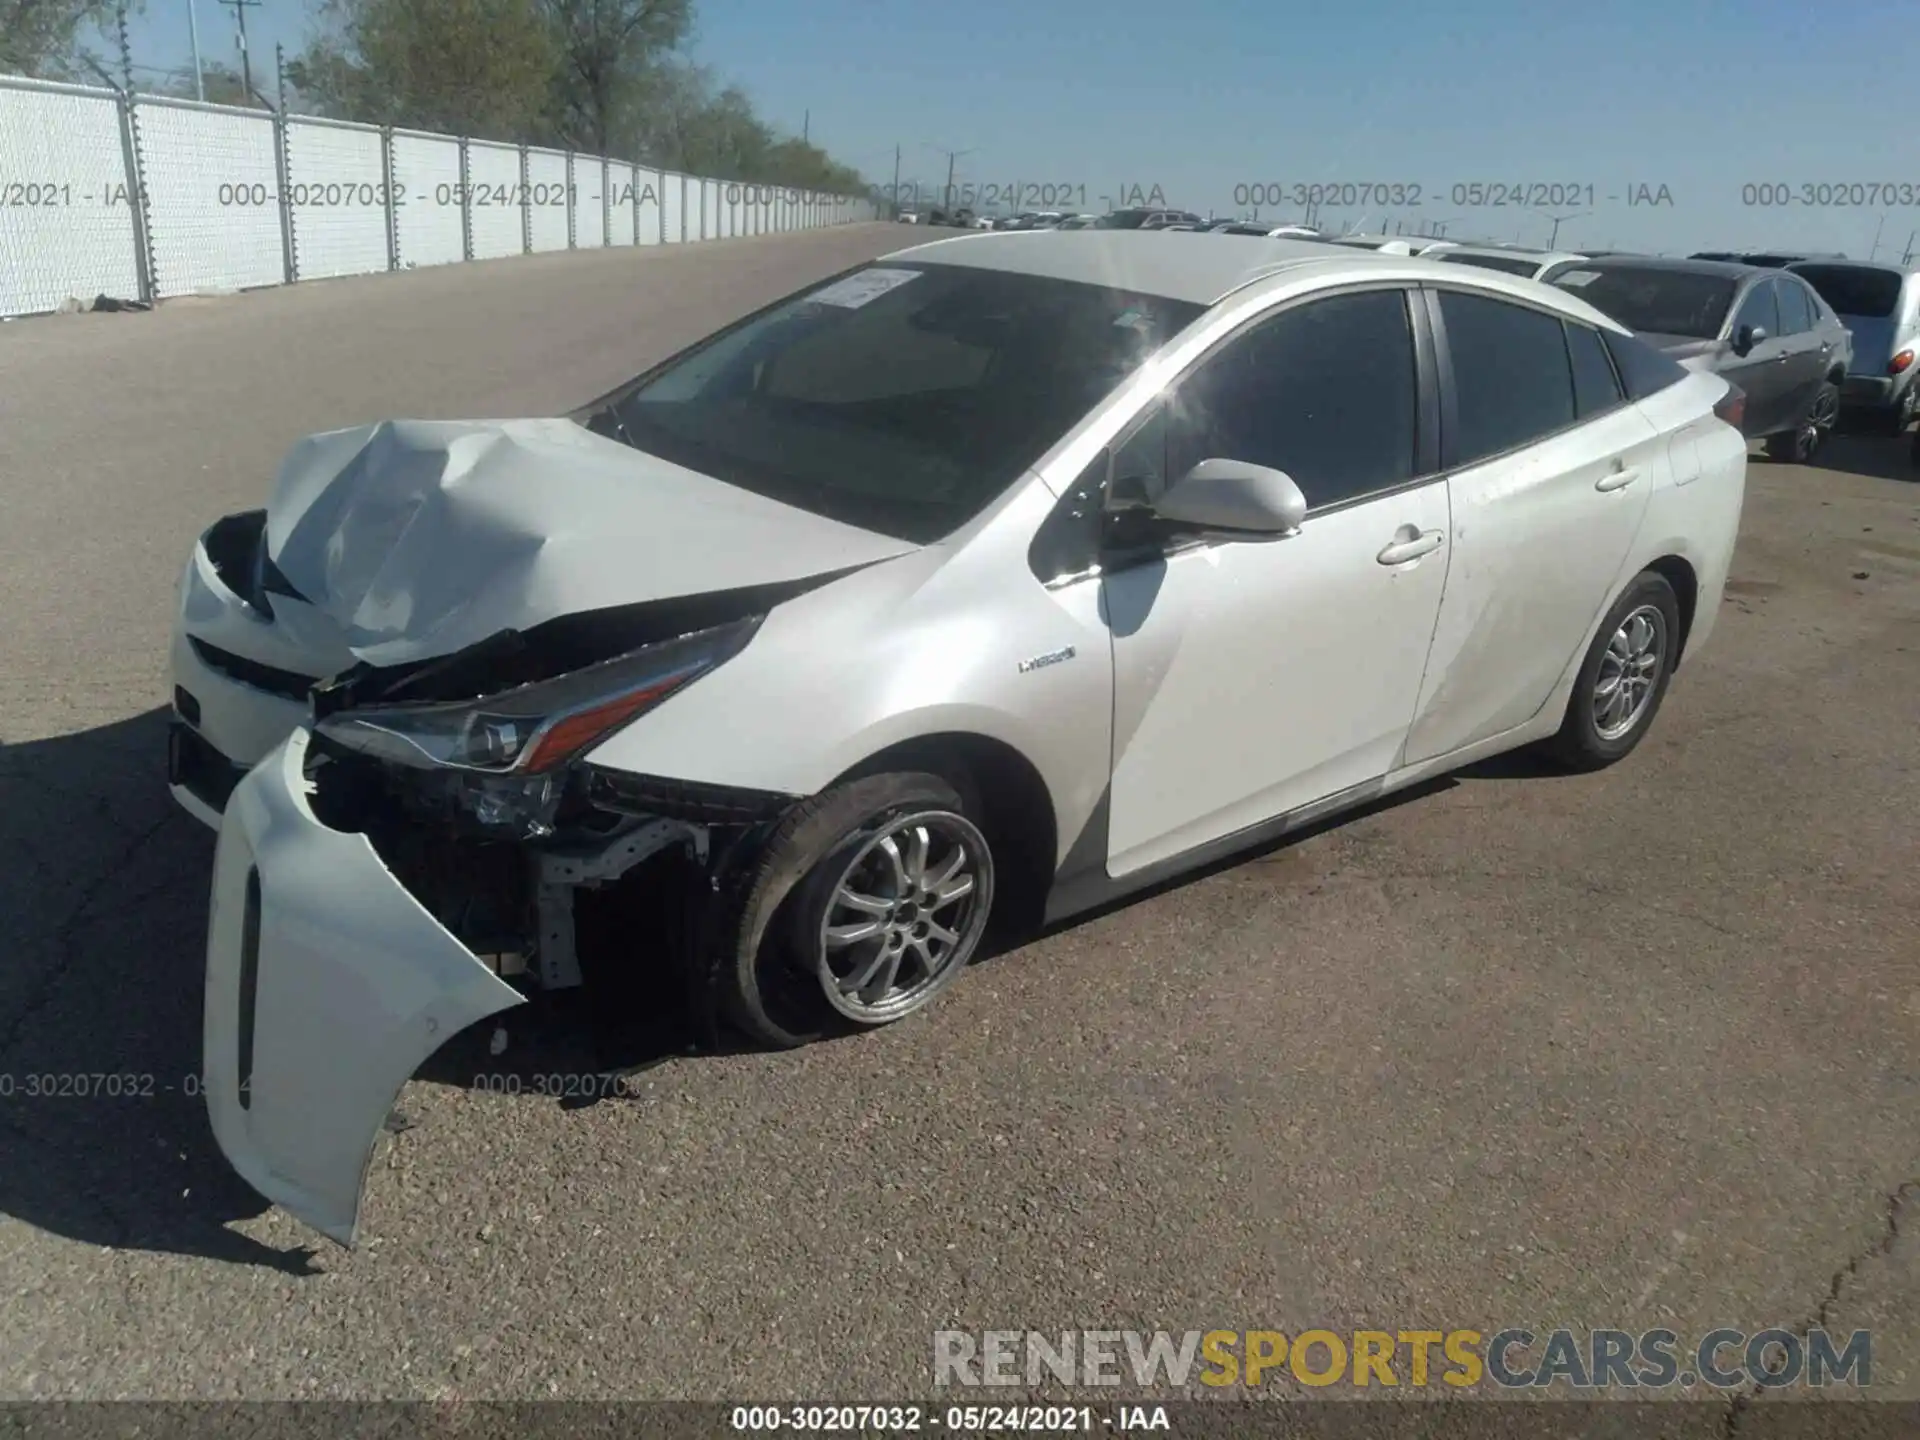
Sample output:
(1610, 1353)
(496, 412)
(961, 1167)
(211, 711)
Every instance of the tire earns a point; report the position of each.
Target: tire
(1799, 445)
(784, 981)
(1585, 742)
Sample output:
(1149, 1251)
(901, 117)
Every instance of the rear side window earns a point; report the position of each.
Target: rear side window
(1595, 387)
(1511, 376)
(1643, 369)
(1796, 307)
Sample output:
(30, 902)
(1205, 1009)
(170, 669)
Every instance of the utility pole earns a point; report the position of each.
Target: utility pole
(193, 33)
(896, 182)
(240, 8)
(1876, 235)
(806, 126)
(1553, 243)
(953, 157)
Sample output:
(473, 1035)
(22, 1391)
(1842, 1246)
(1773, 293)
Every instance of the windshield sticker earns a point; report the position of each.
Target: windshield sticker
(858, 290)
(1577, 278)
(1136, 320)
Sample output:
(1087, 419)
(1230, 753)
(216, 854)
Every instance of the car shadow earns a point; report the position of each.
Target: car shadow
(103, 1136)
(1877, 457)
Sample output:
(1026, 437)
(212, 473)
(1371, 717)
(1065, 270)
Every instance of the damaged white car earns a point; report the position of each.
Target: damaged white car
(992, 580)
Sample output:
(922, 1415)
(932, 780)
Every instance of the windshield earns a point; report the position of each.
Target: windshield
(1652, 301)
(901, 398)
(1855, 290)
(1507, 264)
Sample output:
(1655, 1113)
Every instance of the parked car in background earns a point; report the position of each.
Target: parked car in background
(908, 217)
(1139, 218)
(1766, 331)
(424, 745)
(1512, 260)
(1880, 306)
(1078, 222)
(1762, 259)
(1385, 244)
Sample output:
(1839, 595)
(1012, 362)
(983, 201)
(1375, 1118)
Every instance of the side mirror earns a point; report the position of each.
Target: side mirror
(1236, 498)
(1748, 336)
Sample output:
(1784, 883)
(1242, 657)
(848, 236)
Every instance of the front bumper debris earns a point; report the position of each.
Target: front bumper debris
(328, 985)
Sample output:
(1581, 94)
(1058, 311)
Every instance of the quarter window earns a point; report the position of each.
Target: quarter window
(1325, 391)
(1512, 376)
(1595, 387)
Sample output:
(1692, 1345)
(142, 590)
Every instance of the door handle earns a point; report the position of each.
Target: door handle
(1423, 542)
(1617, 479)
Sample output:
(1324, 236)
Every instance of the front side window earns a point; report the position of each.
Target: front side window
(1512, 379)
(1759, 309)
(1325, 391)
(899, 398)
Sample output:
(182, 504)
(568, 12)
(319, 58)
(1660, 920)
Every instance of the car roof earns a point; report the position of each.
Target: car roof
(1727, 269)
(1177, 266)
(1523, 252)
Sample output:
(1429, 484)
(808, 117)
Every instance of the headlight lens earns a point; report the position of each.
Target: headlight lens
(536, 728)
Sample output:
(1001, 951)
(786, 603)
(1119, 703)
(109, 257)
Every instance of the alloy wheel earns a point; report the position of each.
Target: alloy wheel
(1629, 672)
(904, 916)
(1821, 417)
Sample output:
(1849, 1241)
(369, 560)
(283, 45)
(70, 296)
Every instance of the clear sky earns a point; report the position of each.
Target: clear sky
(1204, 98)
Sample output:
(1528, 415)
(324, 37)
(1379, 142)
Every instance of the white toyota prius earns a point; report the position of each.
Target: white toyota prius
(991, 581)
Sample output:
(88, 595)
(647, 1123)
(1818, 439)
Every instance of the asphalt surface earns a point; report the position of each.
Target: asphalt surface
(1634, 1049)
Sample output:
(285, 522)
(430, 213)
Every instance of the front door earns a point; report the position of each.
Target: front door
(1252, 678)
(1763, 371)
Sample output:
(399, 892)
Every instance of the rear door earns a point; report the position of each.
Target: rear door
(1803, 359)
(1549, 471)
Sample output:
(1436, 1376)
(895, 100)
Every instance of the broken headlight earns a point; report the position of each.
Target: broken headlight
(503, 753)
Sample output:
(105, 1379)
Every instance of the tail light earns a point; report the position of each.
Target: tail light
(1900, 362)
(1732, 407)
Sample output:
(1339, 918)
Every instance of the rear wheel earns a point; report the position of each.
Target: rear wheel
(1624, 677)
(863, 906)
(1799, 445)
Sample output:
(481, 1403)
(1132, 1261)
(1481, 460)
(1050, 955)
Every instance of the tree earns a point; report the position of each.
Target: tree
(465, 67)
(41, 37)
(606, 50)
(223, 84)
(603, 76)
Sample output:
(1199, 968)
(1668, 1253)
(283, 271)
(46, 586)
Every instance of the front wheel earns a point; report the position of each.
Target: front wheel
(865, 903)
(1799, 445)
(1624, 677)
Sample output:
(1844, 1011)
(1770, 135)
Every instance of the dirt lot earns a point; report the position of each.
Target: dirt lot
(1634, 1049)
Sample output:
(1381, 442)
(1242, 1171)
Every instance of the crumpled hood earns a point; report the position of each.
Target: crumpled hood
(423, 537)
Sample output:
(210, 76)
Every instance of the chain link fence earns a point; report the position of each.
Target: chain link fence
(425, 179)
(66, 213)
(336, 196)
(141, 197)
